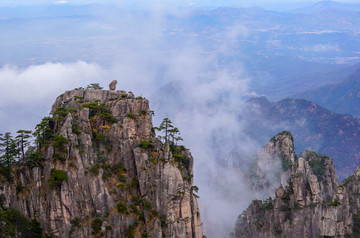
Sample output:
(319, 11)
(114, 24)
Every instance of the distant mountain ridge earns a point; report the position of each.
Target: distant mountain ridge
(330, 133)
(343, 97)
(325, 5)
(273, 79)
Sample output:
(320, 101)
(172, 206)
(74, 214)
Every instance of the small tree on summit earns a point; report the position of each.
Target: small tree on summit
(94, 86)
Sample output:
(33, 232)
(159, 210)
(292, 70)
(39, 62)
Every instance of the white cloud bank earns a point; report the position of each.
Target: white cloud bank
(206, 112)
(40, 83)
(205, 103)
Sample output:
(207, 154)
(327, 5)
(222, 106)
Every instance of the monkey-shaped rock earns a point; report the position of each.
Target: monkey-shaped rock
(112, 85)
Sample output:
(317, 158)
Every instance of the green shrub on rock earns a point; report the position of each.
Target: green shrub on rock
(96, 225)
(56, 178)
(145, 144)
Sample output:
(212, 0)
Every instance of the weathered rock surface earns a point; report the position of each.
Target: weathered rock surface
(121, 180)
(272, 165)
(112, 85)
(309, 204)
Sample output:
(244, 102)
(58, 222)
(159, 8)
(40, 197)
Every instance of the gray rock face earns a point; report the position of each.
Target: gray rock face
(121, 180)
(112, 85)
(272, 165)
(309, 204)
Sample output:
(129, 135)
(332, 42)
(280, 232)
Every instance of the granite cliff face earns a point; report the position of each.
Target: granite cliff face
(100, 171)
(272, 164)
(308, 203)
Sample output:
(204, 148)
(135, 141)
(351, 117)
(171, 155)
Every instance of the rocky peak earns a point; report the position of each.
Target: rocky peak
(309, 204)
(271, 163)
(100, 171)
(323, 168)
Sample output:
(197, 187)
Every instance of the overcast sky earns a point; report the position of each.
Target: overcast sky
(276, 5)
(191, 2)
(142, 64)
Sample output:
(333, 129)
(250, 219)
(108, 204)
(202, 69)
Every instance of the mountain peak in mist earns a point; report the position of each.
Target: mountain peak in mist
(310, 203)
(98, 170)
(271, 164)
(312, 125)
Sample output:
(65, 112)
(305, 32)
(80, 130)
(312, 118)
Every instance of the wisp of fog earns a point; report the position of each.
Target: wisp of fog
(184, 79)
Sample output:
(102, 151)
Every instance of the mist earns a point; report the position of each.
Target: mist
(183, 78)
(199, 80)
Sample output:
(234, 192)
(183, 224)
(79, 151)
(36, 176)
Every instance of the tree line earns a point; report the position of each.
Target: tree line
(24, 148)
(13, 149)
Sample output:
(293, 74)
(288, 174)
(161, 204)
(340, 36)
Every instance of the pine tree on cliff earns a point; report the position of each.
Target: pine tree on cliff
(23, 141)
(171, 134)
(94, 86)
(43, 132)
(165, 127)
(174, 135)
(8, 150)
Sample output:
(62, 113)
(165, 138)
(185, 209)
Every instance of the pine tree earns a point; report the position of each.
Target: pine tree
(174, 135)
(8, 150)
(94, 86)
(43, 132)
(164, 127)
(170, 134)
(23, 141)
